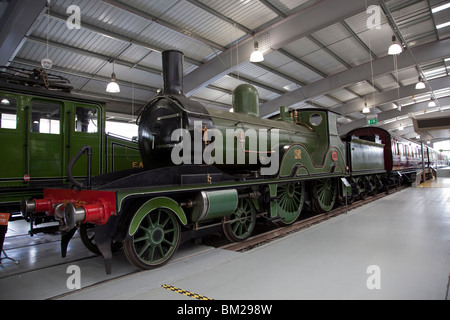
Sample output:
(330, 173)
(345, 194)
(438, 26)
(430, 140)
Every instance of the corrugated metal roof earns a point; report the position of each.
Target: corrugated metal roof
(289, 6)
(362, 88)
(193, 19)
(165, 38)
(301, 47)
(359, 54)
(133, 32)
(332, 34)
(323, 61)
(386, 82)
(343, 95)
(251, 14)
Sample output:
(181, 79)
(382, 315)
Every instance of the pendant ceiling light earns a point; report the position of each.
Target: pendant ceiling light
(256, 55)
(366, 110)
(420, 84)
(113, 87)
(395, 48)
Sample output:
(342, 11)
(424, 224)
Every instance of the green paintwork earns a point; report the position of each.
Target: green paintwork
(156, 239)
(292, 165)
(291, 197)
(324, 193)
(159, 202)
(257, 134)
(214, 204)
(246, 100)
(46, 155)
(221, 203)
(245, 221)
(122, 154)
(316, 156)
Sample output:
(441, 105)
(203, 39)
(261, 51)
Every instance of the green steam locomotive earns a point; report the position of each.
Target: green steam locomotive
(205, 168)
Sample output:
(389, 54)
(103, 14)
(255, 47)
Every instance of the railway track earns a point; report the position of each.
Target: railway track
(280, 232)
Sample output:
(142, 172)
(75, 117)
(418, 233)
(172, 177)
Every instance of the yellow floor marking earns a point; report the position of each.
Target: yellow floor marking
(186, 293)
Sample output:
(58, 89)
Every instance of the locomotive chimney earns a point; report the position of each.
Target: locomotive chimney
(172, 62)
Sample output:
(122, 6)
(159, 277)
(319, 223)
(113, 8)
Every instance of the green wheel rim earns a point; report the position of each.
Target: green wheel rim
(291, 197)
(325, 191)
(155, 241)
(243, 221)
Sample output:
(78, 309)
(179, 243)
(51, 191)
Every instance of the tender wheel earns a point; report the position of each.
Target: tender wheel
(324, 194)
(155, 241)
(87, 235)
(373, 185)
(362, 188)
(242, 228)
(291, 197)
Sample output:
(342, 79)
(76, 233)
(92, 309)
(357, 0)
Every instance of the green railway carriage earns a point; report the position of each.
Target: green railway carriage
(41, 129)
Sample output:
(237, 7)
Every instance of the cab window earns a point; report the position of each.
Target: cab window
(8, 113)
(315, 119)
(45, 117)
(86, 120)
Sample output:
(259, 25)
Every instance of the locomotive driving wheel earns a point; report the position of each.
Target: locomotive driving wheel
(291, 197)
(155, 241)
(324, 193)
(243, 221)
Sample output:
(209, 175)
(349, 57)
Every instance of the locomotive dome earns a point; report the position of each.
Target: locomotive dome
(246, 100)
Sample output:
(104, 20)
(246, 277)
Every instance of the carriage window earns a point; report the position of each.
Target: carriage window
(45, 117)
(86, 120)
(8, 113)
(315, 119)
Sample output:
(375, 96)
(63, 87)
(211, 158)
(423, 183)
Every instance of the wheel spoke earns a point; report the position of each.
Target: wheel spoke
(144, 248)
(161, 251)
(143, 238)
(151, 253)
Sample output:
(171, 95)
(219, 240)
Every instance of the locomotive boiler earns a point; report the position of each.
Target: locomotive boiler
(176, 130)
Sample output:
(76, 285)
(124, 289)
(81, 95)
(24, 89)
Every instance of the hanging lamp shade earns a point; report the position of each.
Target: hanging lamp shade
(113, 87)
(420, 84)
(46, 63)
(256, 55)
(365, 109)
(395, 48)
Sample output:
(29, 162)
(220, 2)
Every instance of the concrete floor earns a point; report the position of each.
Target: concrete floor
(394, 248)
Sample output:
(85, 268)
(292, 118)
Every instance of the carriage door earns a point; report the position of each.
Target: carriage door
(11, 140)
(86, 129)
(45, 143)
